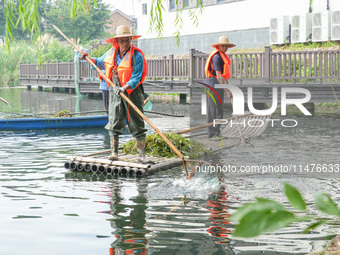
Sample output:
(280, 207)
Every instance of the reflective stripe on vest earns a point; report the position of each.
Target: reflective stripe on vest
(125, 68)
(226, 66)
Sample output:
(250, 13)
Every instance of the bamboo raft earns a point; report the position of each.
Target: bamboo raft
(127, 165)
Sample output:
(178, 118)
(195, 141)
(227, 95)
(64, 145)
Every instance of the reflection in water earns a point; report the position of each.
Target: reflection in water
(45, 208)
(128, 208)
(217, 205)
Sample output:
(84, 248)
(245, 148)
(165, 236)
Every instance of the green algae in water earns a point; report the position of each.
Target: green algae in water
(26, 217)
(156, 146)
(71, 214)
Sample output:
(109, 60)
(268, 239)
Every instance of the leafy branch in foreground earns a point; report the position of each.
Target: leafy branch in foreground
(26, 14)
(265, 215)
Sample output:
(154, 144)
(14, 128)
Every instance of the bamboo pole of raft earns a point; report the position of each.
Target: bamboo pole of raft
(129, 102)
(107, 162)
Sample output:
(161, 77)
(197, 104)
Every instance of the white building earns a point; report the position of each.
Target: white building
(246, 23)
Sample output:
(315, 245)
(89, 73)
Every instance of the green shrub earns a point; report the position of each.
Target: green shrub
(100, 51)
(10, 61)
(46, 47)
(57, 51)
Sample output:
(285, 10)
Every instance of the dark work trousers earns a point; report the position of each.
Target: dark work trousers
(120, 111)
(105, 94)
(214, 111)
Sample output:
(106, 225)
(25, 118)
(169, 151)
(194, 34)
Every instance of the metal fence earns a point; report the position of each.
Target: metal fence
(269, 65)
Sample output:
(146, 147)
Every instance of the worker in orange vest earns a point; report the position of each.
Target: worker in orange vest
(217, 70)
(126, 66)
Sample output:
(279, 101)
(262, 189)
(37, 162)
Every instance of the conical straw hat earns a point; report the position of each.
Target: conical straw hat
(122, 31)
(223, 40)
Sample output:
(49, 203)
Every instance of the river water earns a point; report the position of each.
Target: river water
(46, 209)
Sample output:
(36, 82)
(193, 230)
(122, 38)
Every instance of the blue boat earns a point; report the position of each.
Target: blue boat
(54, 123)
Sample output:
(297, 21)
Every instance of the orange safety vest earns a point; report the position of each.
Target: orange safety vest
(226, 67)
(125, 67)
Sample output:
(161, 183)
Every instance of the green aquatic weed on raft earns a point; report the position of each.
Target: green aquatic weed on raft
(156, 146)
(63, 113)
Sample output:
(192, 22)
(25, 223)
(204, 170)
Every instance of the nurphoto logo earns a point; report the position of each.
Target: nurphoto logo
(238, 103)
(238, 100)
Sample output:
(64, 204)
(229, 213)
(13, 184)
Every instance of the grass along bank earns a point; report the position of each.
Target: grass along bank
(46, 46)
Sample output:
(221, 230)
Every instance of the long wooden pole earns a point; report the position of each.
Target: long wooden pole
(3, 100)
(126, 98)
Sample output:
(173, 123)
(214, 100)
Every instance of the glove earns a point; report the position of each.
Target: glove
(117, 90)
(83, 53)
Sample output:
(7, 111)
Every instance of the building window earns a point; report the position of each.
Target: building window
(144, 9)
(220, 1)
(172, 5)
(186, 3)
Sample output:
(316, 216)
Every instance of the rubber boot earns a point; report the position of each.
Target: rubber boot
(140, 144)
(114, 140)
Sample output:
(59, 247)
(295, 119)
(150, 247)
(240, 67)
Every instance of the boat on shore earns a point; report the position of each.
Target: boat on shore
(54, 123)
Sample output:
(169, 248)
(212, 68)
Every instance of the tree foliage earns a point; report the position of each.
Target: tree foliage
(100, 51)
(84, 26)
(9, 64)
(22, 51)
(17, 31)
(26, 14)
(2, 18)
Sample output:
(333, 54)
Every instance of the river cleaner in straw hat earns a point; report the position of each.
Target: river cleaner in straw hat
(217, 70)
(125, 65)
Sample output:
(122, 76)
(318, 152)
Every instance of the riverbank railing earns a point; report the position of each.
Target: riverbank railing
(274, 66)
(269, 65)
(166, 68)
(58, 70)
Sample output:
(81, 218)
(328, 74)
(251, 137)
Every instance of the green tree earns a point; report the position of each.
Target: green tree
(86, 25)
